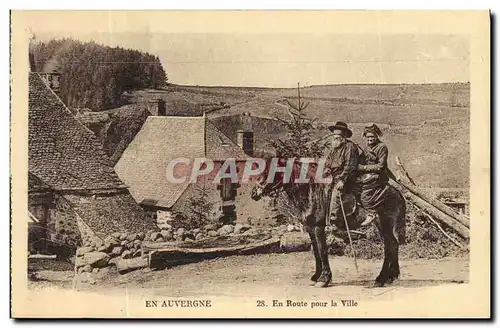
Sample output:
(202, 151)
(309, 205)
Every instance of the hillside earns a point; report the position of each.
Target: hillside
(427, 125)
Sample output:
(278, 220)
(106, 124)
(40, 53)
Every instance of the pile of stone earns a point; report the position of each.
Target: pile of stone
(123, 250)
(99, 254)
(170, 234)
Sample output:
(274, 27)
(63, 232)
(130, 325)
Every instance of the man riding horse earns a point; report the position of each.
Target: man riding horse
(341, 165)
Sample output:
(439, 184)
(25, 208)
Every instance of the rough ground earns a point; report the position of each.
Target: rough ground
(271, 275)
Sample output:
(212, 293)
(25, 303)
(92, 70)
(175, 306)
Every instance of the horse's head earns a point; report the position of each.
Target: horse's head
(271, 184)
(265, 187)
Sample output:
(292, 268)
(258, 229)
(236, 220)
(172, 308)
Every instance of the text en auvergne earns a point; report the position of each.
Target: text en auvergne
(179, 303)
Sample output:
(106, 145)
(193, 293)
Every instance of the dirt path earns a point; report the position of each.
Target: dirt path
(280, 276)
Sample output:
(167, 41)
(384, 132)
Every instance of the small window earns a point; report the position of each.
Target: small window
(40, 212)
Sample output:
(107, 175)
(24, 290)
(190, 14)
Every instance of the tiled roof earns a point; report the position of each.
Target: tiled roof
(143, 164)
(35, 184)
(219, 146)
(62, 152)
(105, 214)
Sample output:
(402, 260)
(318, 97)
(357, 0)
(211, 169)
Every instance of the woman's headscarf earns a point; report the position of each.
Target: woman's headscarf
(372, 128)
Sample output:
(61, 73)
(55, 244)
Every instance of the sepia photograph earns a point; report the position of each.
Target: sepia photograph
(236, 165)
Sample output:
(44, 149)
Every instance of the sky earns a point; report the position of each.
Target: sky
(282, 60)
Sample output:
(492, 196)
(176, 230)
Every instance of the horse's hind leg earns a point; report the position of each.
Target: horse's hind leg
(326, 274)
(383, 276)
(317, 259)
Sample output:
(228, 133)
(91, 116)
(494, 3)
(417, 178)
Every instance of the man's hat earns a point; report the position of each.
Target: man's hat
(341, 126)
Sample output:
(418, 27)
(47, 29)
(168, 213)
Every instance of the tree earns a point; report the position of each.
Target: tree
(299, 143)
(93, 75)
(197, 211)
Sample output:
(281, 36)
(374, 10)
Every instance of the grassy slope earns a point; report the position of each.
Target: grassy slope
(427, 126)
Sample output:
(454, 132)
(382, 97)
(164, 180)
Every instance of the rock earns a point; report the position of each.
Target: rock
(226, 230)
(188, 240)
(117, 251)
(198, 236)
(196, 231)
(282, 227)
(123, 236)
(166, 226)
(237, 228)
(137, 253)
(141, 235)
(245, 227)
(188, 235)
(95, 270)
(86, 268)
(223, 232)
(127, 254)
(96, 259)
(180, 232)
(148, 234)
(104, 271)
(126, 265)
(80, 262)
(295, 242)
(123, 242)
(132, 237)
(111, 240)
(249, 232)
(160, 239)
(167, 235)
(137, 244)
(212, 233)
(83, 250)
(155, 236)
(130, 245)
(209, 227)
(103, 248)
(116, 235)
(291, 228)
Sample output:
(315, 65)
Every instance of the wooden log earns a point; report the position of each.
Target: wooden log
(412, 187)
(462, 230)
(403, 171)
(436, 203)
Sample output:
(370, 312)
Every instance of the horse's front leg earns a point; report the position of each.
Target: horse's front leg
(314, 242)
(326, 274)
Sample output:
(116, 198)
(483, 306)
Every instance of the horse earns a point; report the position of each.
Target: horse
(311, 200)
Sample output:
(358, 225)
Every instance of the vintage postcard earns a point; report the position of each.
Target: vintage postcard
(250, 164)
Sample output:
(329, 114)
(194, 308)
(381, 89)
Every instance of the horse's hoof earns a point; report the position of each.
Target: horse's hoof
(391, 280)
(321, 284)
(378, 284)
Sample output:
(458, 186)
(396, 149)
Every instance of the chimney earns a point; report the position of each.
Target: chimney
(53, 80)
(158, 107)
(245, 141)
